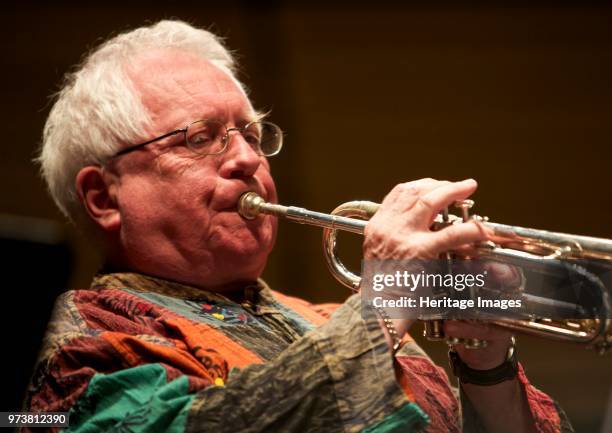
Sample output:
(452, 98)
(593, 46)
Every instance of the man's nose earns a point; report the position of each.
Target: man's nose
(240, 159)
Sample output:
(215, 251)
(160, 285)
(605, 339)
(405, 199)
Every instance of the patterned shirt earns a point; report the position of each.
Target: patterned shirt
(135, 353)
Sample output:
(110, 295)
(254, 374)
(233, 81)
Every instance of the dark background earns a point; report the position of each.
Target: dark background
(517, 97)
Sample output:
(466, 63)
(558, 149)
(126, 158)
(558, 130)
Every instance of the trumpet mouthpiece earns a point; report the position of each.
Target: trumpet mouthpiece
(249, 205)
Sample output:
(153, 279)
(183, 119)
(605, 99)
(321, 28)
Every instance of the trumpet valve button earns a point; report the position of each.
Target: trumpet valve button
(464, 206)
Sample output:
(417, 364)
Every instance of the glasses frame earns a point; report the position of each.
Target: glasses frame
(225, 139)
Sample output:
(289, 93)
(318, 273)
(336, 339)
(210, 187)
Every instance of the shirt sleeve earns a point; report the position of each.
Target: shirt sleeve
(449, 407)
(547, 415)
(338, 377)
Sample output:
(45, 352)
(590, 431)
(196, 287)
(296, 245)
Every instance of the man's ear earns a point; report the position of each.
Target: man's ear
(97, 195)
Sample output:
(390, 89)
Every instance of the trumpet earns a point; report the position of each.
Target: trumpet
(513, 244)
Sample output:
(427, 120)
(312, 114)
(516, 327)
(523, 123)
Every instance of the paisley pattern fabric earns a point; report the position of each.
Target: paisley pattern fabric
(137, 353)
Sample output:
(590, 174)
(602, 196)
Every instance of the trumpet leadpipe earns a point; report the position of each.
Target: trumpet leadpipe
(250, 205)
(548, 244)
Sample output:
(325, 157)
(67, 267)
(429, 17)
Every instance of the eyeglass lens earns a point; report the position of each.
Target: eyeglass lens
(210, 137)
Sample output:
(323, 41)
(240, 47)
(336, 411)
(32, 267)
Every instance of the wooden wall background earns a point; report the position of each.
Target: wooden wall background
(518, 97)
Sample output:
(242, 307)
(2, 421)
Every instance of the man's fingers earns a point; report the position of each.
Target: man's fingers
(431, 203)
(481, 331)
(498, 340)
(457, 235)
(504, 276)
(403, 196)
(402, 225)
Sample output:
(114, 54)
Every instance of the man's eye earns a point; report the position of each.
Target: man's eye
(200, 140)
(251, 137)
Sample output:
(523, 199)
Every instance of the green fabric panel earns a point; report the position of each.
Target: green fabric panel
(138, 399)
(408, 418)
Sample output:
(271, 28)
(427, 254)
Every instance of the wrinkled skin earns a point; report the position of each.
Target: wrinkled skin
(168, 212)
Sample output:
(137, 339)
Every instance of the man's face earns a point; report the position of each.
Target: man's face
(178, 210)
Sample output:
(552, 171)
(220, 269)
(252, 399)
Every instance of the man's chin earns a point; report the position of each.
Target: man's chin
(244, 236)
(243, 244)
(243, 263)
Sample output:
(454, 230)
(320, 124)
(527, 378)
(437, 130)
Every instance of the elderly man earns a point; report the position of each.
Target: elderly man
(148, 148)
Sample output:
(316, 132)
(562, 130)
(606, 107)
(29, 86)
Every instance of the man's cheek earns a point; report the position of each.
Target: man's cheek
(173, 167)
(270, 187)
(274, 230)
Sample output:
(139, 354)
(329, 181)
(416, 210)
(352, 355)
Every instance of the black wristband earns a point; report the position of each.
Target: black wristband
(505, 371)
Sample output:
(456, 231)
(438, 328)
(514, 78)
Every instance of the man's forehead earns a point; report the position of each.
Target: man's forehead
(170, 80)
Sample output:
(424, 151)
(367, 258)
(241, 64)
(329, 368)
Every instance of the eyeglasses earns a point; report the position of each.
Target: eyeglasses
(211, 137)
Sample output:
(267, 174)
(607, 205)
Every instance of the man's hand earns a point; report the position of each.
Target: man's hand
(501, 277)
(400, 230)
(484, 358)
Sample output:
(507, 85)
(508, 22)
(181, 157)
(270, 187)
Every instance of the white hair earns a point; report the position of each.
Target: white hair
(98, 107)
